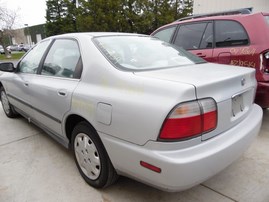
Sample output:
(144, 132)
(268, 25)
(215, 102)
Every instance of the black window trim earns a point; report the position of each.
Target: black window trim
(203, 35)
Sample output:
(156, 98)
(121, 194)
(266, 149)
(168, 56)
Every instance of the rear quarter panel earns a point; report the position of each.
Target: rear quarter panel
(138, 105)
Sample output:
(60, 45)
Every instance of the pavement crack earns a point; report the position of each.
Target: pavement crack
(219, 193)
(18, 140)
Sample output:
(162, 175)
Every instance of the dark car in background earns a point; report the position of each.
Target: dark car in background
(236, 37)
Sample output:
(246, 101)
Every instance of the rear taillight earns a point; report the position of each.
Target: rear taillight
(265, 62)
(190, 119)
(266, 55)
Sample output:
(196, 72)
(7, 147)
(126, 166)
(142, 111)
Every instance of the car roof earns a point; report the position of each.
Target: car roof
(96, 34)
(217, 17)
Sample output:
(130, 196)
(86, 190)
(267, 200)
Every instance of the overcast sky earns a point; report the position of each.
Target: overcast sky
(31, 12)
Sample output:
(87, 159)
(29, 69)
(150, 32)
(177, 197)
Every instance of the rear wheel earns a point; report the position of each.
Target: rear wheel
(7, 107)
(91, 158)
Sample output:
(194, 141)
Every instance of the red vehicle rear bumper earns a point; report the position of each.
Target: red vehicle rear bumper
(262, 95)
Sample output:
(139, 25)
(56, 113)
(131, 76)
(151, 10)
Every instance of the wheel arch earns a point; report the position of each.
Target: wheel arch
(71, 121)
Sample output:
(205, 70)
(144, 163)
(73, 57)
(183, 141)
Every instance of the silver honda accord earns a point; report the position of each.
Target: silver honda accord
(132, 105)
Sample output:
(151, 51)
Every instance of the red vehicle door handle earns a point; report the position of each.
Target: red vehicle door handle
(201, 55)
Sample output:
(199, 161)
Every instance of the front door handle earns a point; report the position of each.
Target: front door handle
(62, 93)
(26, 84)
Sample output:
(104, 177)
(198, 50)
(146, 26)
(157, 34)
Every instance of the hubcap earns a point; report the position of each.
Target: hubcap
(5, 102)
(87, 156)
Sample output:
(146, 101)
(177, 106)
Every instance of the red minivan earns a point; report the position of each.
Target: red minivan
(234, 37)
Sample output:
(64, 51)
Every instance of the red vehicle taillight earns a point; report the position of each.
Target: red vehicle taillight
(265, 61)
(190, 119)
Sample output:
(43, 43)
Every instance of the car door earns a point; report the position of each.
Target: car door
(56, 80)
(232, 44)
(19, 86)
(197, 38)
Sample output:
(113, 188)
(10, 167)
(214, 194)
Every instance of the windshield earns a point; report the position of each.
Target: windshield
(136, 53)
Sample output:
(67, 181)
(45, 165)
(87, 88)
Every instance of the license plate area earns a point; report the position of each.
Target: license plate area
(238, 105)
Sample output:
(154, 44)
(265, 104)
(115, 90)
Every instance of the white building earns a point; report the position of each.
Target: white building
(209, 6)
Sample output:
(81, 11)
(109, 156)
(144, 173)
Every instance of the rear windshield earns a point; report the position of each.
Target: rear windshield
(267, 19)
(138, 53)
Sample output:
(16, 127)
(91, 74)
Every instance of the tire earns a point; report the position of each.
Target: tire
(7, 107)
(91, 157)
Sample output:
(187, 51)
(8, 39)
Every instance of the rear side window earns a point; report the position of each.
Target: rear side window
(62, 59)
(230, 33)
(165, 34)
(189, 36)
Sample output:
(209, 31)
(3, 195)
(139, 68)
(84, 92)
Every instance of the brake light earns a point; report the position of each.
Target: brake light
(266, 55)
(190, 119)
(265, 62)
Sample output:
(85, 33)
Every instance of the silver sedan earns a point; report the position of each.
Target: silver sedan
(133, 105)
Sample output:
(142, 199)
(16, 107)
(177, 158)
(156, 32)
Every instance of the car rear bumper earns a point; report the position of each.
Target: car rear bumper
(185, 167)
(262, 95)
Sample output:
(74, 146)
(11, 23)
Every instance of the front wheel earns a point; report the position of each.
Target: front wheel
(91, 158)
(7, 107)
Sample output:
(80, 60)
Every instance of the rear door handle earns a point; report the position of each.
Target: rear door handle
(201, 55)
(26, 84)
(62, 93)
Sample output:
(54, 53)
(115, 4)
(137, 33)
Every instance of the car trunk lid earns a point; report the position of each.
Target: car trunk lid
(233, 88)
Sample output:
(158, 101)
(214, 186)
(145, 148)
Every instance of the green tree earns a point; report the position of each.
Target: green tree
(99, 15)
(182, 8)
(131, 15)
(139, 16)
(60, 17)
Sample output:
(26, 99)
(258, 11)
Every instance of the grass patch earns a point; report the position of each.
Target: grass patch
(14, 56)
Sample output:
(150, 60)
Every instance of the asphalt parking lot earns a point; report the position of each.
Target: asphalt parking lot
(33, 167)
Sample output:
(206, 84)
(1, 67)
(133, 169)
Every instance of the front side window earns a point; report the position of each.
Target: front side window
(189, 36)
(29, 64)
(230, 33)
(62, 59)
(165, 34)
(136, 53)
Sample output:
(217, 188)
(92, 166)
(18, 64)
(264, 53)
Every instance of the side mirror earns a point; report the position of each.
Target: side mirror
(7, 67)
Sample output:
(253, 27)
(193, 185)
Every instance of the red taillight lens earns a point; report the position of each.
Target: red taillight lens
(185, 118)
(190, 119)
(209, 113)
(265, 62)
